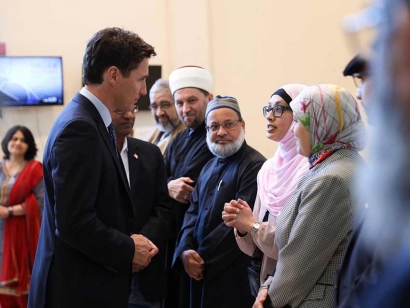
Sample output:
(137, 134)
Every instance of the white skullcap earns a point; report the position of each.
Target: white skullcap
(190, 77)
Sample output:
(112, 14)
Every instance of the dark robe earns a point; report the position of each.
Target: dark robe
(225, 282)
(185, 157)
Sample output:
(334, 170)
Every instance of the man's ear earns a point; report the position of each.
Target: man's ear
(112, 74)
(210, 97)
(243, 124)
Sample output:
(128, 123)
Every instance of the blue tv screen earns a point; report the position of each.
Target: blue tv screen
(31, 81)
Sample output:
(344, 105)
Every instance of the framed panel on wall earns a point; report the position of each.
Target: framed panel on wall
(154, 74)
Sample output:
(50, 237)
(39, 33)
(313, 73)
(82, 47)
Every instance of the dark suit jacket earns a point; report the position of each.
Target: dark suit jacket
(85, 251)
(154, 216)
(391, 289)
(360, 268)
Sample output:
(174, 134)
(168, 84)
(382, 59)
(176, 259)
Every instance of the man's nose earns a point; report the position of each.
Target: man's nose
(128, 114)
(359, 92)
(186, 108)
(143, 90)
(221, 131)
(159, 112)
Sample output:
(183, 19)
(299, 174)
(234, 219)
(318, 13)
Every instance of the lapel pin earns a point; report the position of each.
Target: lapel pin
(136, 156)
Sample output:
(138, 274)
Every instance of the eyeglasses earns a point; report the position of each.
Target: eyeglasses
(120, 111)
(277, 110)
(357, 81)
(359, 78)
(230, 125)
(162, 105)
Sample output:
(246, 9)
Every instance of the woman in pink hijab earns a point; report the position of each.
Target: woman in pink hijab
(277, 181)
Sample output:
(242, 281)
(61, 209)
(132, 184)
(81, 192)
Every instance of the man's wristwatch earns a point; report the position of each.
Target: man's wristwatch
(10, 209)
(255, 227)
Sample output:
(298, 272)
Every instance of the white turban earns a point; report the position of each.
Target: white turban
(190, 77)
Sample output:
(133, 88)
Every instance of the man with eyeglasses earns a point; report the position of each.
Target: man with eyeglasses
(355, 272)
(168, 124)
(358, 69)
(191, 87)
(154, 218)
(206, 247)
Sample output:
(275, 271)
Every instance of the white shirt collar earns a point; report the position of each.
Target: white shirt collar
(124, 157)
(124, 146)
(101, 108)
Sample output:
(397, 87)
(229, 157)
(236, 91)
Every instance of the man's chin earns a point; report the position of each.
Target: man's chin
(165, 128)
(191, 124)
(224, 142)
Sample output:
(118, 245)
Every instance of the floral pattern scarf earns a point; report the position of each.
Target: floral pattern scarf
(332, 117)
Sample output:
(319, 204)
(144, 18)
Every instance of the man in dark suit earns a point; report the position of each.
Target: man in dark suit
(85, 253)
(154, 218)
(360, 263)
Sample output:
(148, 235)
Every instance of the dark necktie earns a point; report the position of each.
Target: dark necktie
(112, 137)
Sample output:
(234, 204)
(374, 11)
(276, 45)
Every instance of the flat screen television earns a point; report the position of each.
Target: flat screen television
(31, 81)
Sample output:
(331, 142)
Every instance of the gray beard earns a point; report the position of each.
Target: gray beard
(225, 150)
(169, 127)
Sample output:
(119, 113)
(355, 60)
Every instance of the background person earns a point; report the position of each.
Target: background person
(386, 229)
(21, 205)
(154, 218)
(277, 181)
(358, 68)
(314, 226)
(206, 247)
(191, 87)
(162, 106)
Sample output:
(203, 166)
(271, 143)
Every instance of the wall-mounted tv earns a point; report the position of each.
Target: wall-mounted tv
(31, 81)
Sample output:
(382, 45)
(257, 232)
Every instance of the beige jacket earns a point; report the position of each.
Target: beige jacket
(165, 142)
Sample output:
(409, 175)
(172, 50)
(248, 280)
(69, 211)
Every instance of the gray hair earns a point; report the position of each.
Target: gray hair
(160, 85)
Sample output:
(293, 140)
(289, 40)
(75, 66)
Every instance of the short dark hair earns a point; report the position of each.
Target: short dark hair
(28, 138)
(357, 65)
(113, 47)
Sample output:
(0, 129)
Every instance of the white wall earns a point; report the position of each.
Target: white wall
(251, 47)
(258, 46)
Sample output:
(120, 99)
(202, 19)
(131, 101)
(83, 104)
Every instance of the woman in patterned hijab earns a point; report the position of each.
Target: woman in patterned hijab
(314, 226)
(332, 117)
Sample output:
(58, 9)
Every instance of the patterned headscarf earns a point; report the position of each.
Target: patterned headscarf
(331, 115)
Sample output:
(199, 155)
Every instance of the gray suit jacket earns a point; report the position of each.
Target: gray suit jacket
(313, 231)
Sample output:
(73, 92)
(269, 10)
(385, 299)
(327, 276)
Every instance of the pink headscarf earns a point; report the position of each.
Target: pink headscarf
(280, 174)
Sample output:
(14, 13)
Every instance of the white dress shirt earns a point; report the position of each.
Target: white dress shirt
(124, 157)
